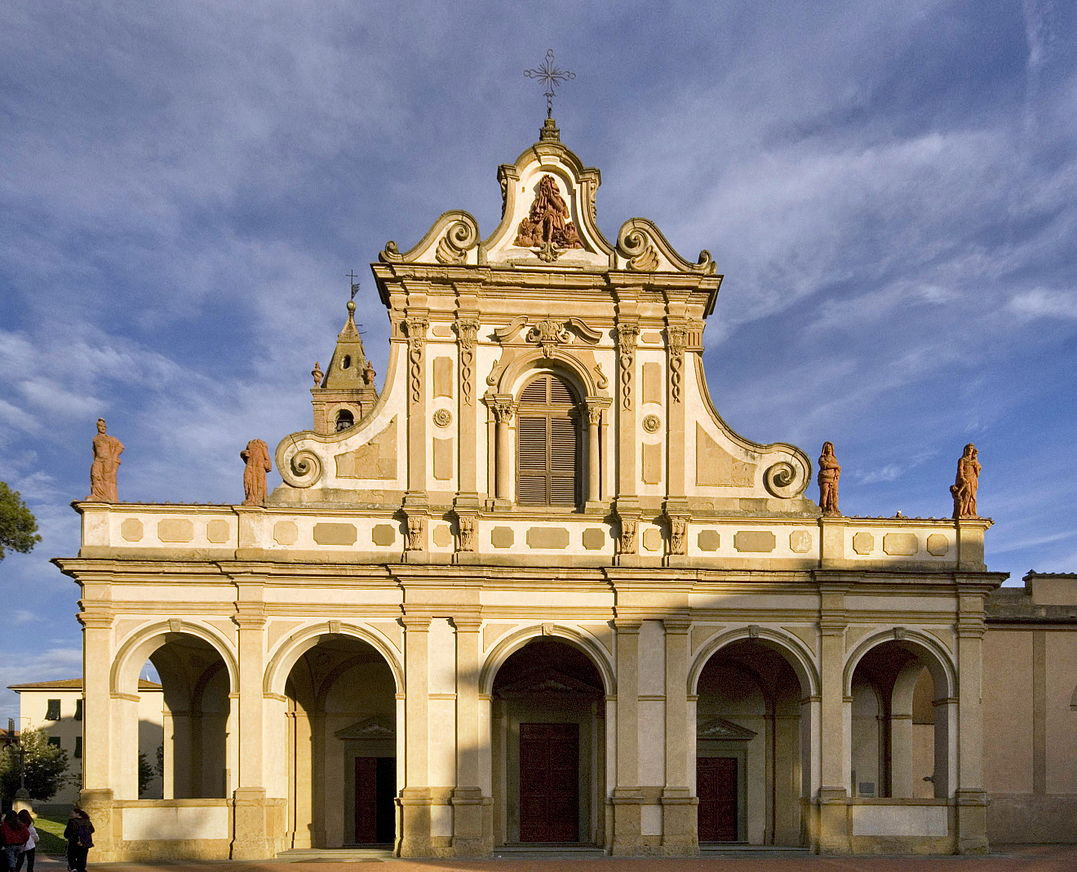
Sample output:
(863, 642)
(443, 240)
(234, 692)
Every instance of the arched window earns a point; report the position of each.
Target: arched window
(345, 419)
(548, 447)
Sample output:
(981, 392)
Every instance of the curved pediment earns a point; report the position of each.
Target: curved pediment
(548, 221)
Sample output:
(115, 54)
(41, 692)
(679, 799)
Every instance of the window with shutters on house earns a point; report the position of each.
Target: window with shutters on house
(548, 443)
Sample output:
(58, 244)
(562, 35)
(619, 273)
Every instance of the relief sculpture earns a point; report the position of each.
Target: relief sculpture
(546, 226)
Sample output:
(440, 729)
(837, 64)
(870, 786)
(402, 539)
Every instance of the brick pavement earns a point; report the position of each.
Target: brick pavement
(1022, 858)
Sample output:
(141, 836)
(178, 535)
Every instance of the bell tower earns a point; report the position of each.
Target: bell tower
(345, 391)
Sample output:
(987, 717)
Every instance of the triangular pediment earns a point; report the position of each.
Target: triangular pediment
(376, 727)
(548, 681)
(726, 731)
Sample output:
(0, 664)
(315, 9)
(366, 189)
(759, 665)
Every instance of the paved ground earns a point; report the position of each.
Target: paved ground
(1022, 858)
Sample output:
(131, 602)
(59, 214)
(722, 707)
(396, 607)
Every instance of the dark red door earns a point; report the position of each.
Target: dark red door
(716, 786)
(375, 790)
(549, 783)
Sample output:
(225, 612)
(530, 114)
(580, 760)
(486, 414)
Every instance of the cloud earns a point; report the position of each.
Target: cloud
(1041, 303)
(48, 665)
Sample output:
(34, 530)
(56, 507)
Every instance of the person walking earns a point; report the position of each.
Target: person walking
(13, 835)
(29, 850)
(79, 835)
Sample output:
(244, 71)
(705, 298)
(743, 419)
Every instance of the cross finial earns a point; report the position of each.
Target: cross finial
(551, 77)
(355, 285)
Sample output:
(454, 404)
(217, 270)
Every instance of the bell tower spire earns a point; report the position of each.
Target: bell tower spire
(345, 391)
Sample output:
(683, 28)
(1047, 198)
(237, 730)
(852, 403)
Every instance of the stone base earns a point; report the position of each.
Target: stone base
(1025, 818)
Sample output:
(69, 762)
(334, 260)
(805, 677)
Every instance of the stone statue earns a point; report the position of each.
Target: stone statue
(829, 473)
(317, 374)
(106, 463)
(967, 483)
(256, 456)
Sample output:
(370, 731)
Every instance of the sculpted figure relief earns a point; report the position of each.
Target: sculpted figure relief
(966, 483)
(256, 456)
(829, 473)
(106, 463)
(547, 225)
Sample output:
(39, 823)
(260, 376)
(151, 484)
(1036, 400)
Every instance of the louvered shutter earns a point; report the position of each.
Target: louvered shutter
(548, 444)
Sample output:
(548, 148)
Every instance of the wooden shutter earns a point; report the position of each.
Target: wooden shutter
(548, 444)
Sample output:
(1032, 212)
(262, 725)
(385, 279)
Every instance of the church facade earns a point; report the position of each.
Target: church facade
(535, 591)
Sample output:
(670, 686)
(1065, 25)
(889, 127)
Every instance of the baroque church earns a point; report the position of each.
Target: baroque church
(536, 591)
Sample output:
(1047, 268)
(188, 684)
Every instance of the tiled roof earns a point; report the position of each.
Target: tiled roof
(74, 684)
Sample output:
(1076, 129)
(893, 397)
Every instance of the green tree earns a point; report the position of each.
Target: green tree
(45, 766)
(18, 526)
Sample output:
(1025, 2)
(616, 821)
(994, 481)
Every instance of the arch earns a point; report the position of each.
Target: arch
(794, 651)
(937, 658)
(513, 642)
(143, 642)
(297, 644)
(559, 362)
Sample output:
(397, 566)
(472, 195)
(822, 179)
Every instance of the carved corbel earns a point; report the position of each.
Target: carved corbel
(458, 239)
(466, 532)
(678, 534)
(415, 533)
(626, 538)
(548, 334)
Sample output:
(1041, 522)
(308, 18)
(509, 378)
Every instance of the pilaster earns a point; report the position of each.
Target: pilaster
(679, 831)
(970, 795)
(415, 800)
(627, 797)
(472, 821)
(96, 795)
(466, 328)
(832, 826)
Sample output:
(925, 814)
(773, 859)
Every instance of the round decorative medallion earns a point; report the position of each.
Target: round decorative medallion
(443, 417)
(651, 423)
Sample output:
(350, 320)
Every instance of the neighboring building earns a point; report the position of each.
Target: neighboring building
(540, 592)
(1030, 710)
(56, 708)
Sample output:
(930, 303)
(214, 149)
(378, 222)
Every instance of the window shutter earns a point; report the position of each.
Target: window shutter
(548, 444)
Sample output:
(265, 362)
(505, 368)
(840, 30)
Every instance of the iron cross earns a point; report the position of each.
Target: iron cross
(355, 284)
(551, 77)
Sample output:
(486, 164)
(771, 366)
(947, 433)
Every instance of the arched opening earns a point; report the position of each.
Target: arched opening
(548, 443)
(900, 714)
(751, 747)
(345, 419)
(182, 722)
(548, 742)
(341, 756)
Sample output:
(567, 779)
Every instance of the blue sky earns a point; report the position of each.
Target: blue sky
(889, 188)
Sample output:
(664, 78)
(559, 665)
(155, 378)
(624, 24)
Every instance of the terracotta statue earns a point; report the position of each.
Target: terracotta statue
(967, 483)
(829, 473)
(547, 223)
(256, 456)
(106, 462)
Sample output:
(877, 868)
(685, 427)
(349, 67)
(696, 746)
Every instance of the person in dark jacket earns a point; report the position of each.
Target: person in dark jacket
(79, 835)
(13, 835)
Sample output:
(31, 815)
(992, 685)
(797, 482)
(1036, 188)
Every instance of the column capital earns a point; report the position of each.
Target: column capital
(416, 623)
(627, 626)
(677, 625)
(467, 624)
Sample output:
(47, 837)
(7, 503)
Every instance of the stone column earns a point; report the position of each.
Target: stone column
(472, 826)
(415, 799)
(503, 410)
(832, 830)
(627, 797)
(251, 841)
(679, 835)
(98, 767)
(594, 467)
(970, 794)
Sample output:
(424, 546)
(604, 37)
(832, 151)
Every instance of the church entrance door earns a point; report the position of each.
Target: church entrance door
(716, 785)
(375, 789)
(549, 783)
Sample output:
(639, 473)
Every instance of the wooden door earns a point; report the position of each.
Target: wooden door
(716, 786)
(549, 783)
(375, 793)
